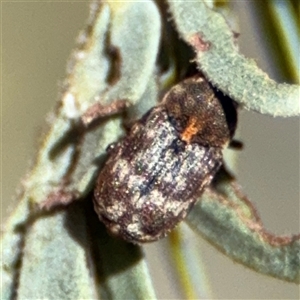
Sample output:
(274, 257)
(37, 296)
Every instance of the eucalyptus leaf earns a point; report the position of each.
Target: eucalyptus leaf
(54, 262)
(228, 220)
(218, 58)
(89, 82)
(46, 254)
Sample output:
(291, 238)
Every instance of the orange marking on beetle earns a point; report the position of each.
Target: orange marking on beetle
(191, 129)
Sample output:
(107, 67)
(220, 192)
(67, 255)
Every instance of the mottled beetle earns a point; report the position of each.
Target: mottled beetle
(155, 174)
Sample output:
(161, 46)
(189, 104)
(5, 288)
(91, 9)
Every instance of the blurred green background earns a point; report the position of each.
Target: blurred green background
(37, 38)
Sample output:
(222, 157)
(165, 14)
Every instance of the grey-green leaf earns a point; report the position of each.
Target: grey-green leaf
(227, 219)
(218, 57)
(51, 255)
(55, 258)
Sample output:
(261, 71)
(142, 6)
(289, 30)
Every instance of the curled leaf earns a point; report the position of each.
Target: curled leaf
(218, 58)
(228, 220)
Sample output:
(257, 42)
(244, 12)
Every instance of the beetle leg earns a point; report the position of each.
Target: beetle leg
(236, 145)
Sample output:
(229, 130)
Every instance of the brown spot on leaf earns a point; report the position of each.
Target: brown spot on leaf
(199, 43)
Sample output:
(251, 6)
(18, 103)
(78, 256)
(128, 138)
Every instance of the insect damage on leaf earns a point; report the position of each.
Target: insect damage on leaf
(155, 174)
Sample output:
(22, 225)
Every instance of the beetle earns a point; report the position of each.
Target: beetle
(154, 175)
